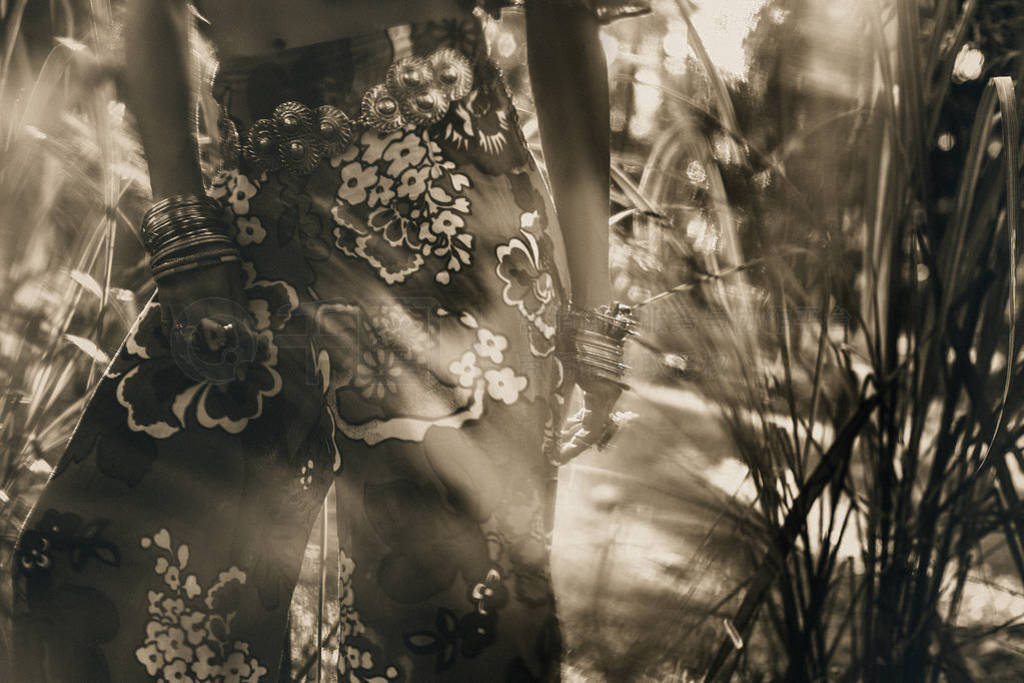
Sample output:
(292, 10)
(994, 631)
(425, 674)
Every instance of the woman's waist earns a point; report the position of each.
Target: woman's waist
(338, 72)
(261, 27)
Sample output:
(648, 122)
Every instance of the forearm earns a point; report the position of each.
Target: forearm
(570, 86)
(156, 83)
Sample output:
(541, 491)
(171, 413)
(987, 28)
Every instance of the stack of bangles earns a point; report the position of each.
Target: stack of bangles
(599, 337)
(185, 232)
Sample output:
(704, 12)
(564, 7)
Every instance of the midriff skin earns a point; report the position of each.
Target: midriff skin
(255, 27)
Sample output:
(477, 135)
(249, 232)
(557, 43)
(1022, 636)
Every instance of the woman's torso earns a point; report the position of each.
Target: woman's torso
(256, 27)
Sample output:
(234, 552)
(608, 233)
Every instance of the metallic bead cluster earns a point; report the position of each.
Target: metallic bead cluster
(230, 143)
(297, 137)
(416, 90)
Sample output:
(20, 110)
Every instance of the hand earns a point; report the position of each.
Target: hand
(595, 423)
(598, 340)
(205, 316)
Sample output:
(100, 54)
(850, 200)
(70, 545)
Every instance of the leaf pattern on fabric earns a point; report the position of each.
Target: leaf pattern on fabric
(465, 636)
(482, 130)
(68, 535)
(359, 658)
(188, 634)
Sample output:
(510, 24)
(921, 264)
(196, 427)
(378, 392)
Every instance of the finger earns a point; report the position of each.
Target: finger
(598, 408)
(576, 437)
(215, 334)
(578, 440)
(594, 425)
(608, 430)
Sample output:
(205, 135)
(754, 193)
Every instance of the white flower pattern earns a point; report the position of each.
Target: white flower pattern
(411, 197)
(381, 193)
(404, 153)
(377, 372)
(490, 345)
(250, 230)
(356, 663)
(504, 385)
(447, 223)
(356, 179)
(465, 369)
(234, 188)
(482, 364)
(187, 638)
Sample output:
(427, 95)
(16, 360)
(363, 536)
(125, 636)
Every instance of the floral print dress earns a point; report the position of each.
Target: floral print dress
(405, 287)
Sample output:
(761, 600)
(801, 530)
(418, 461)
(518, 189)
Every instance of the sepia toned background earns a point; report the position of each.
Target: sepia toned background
(816, 213)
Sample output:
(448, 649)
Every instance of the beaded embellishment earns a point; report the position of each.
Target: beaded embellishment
(416, 90)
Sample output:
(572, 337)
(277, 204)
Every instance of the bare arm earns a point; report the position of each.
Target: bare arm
(156, 89)
(156, 81)
(570, 86)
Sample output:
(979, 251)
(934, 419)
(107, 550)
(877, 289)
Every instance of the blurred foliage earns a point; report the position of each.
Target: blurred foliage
(839, 231)
(72, 184)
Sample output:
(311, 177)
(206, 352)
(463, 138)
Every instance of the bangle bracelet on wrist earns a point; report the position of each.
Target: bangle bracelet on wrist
(598, 340)
(185, 232)
(194, 265)
(178, 214)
